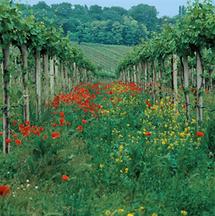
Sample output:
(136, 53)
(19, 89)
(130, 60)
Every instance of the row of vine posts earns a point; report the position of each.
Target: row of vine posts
(56, 62)
(186, 49)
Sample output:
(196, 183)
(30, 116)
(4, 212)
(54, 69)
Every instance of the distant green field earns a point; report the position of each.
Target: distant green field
(106, 57)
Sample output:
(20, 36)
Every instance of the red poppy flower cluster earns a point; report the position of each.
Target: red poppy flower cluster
(65, 178)
(147, 133)
(148, 104)
(55, 135)
(84, 95)
(200, 134)
(13, 139)
(18, 142)
(62, 119)
(84, 121)
(80, 96)
(26, 129)
(4, 190)
(8, 140)
(80, 128)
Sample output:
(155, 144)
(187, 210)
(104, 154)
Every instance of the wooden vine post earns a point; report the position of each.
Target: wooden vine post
(186, 84)
(6, 100)
(26, 106)
(175, 78)
(45, 57)
(38, 84)
(51, 75)
(199, 81)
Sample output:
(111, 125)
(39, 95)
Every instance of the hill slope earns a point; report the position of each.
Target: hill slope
(106, 57)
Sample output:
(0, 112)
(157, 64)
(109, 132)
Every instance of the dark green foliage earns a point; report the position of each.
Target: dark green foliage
(114, 25)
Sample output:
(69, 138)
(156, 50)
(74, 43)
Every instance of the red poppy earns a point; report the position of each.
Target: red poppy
(148, 104)
(62, 121)
(200, 134)
(41, 129)
(147, 133)
(55, 135)
(4, 190)
(25, 130)
(1, 133)
(84, 121)
(18, 142)
(27, 122)
(80, 128)
(36, 130)
(65, 178)
(62, 114)
(8, 140)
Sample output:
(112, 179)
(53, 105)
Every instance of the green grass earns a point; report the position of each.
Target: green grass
(105, 57)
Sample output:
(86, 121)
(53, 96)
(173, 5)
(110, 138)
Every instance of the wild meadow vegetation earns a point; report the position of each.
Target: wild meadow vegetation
(80, 142)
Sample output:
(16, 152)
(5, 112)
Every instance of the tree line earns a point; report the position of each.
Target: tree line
(108, 25)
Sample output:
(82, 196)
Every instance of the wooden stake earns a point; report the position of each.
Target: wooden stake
(199, 70)
(186, 85)
(6, 100)
(26, 106)
(38, 84)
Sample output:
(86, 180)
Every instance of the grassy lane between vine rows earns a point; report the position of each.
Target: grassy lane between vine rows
(107, 149)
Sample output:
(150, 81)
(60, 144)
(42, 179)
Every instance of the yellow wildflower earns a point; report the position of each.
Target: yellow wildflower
(121, 148)
(187, 129)
(154, 214)
(164, 142)
(130, 214)
(126, 170)
(182, 135)
(120, 211)
(184, 213)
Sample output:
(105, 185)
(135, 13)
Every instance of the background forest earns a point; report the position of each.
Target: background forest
(108, 25)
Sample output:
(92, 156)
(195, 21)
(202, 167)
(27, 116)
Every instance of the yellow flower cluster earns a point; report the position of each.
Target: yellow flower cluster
(174, 132)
